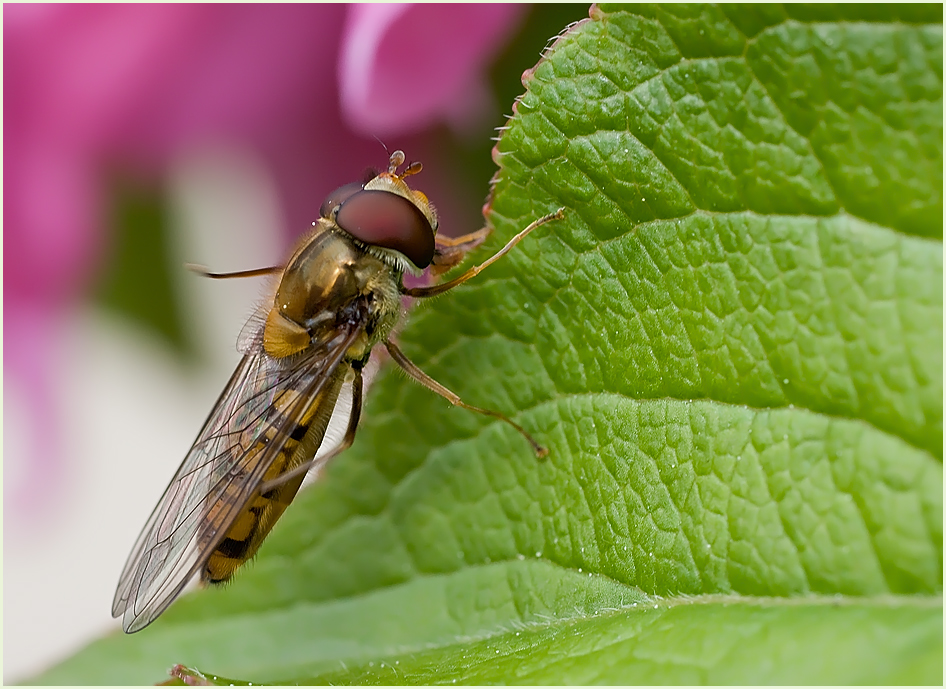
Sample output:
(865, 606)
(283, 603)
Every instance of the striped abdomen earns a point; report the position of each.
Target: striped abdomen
(293, 448)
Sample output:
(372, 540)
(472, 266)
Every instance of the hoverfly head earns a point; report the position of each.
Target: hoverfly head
(392, 221)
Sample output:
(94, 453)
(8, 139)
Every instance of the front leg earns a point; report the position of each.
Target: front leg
(452, 250)
(434, 290)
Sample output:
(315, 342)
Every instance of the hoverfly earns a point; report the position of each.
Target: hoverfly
(337, 297)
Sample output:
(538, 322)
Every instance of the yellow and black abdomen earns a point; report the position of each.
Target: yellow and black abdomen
(299, 441)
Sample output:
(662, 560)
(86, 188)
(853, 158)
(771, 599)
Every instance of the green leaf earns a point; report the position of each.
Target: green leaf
(732, 346)
(646, 646)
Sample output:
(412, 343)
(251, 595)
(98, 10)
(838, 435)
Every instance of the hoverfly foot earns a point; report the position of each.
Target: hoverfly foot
(411, 369)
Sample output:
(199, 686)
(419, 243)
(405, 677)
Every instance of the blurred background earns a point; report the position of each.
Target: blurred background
(138, 138)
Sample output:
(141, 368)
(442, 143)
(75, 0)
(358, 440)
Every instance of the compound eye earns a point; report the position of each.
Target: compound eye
(387, 220)
(338, 197)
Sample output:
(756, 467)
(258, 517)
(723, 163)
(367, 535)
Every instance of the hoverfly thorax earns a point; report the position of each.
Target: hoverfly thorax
(338, 296)
(325, 276)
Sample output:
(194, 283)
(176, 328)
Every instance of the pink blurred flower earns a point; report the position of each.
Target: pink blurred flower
(403, 67)
(91, 90)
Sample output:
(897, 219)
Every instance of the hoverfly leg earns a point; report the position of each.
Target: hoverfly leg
(434, 290)
(452, 250)
(203, 271)
(356, 395)
(474, 238)
(411, 369)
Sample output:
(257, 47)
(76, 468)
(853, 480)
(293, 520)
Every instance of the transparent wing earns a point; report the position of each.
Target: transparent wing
(223, 470)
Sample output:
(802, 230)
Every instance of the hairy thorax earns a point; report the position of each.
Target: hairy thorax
(325, 280)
